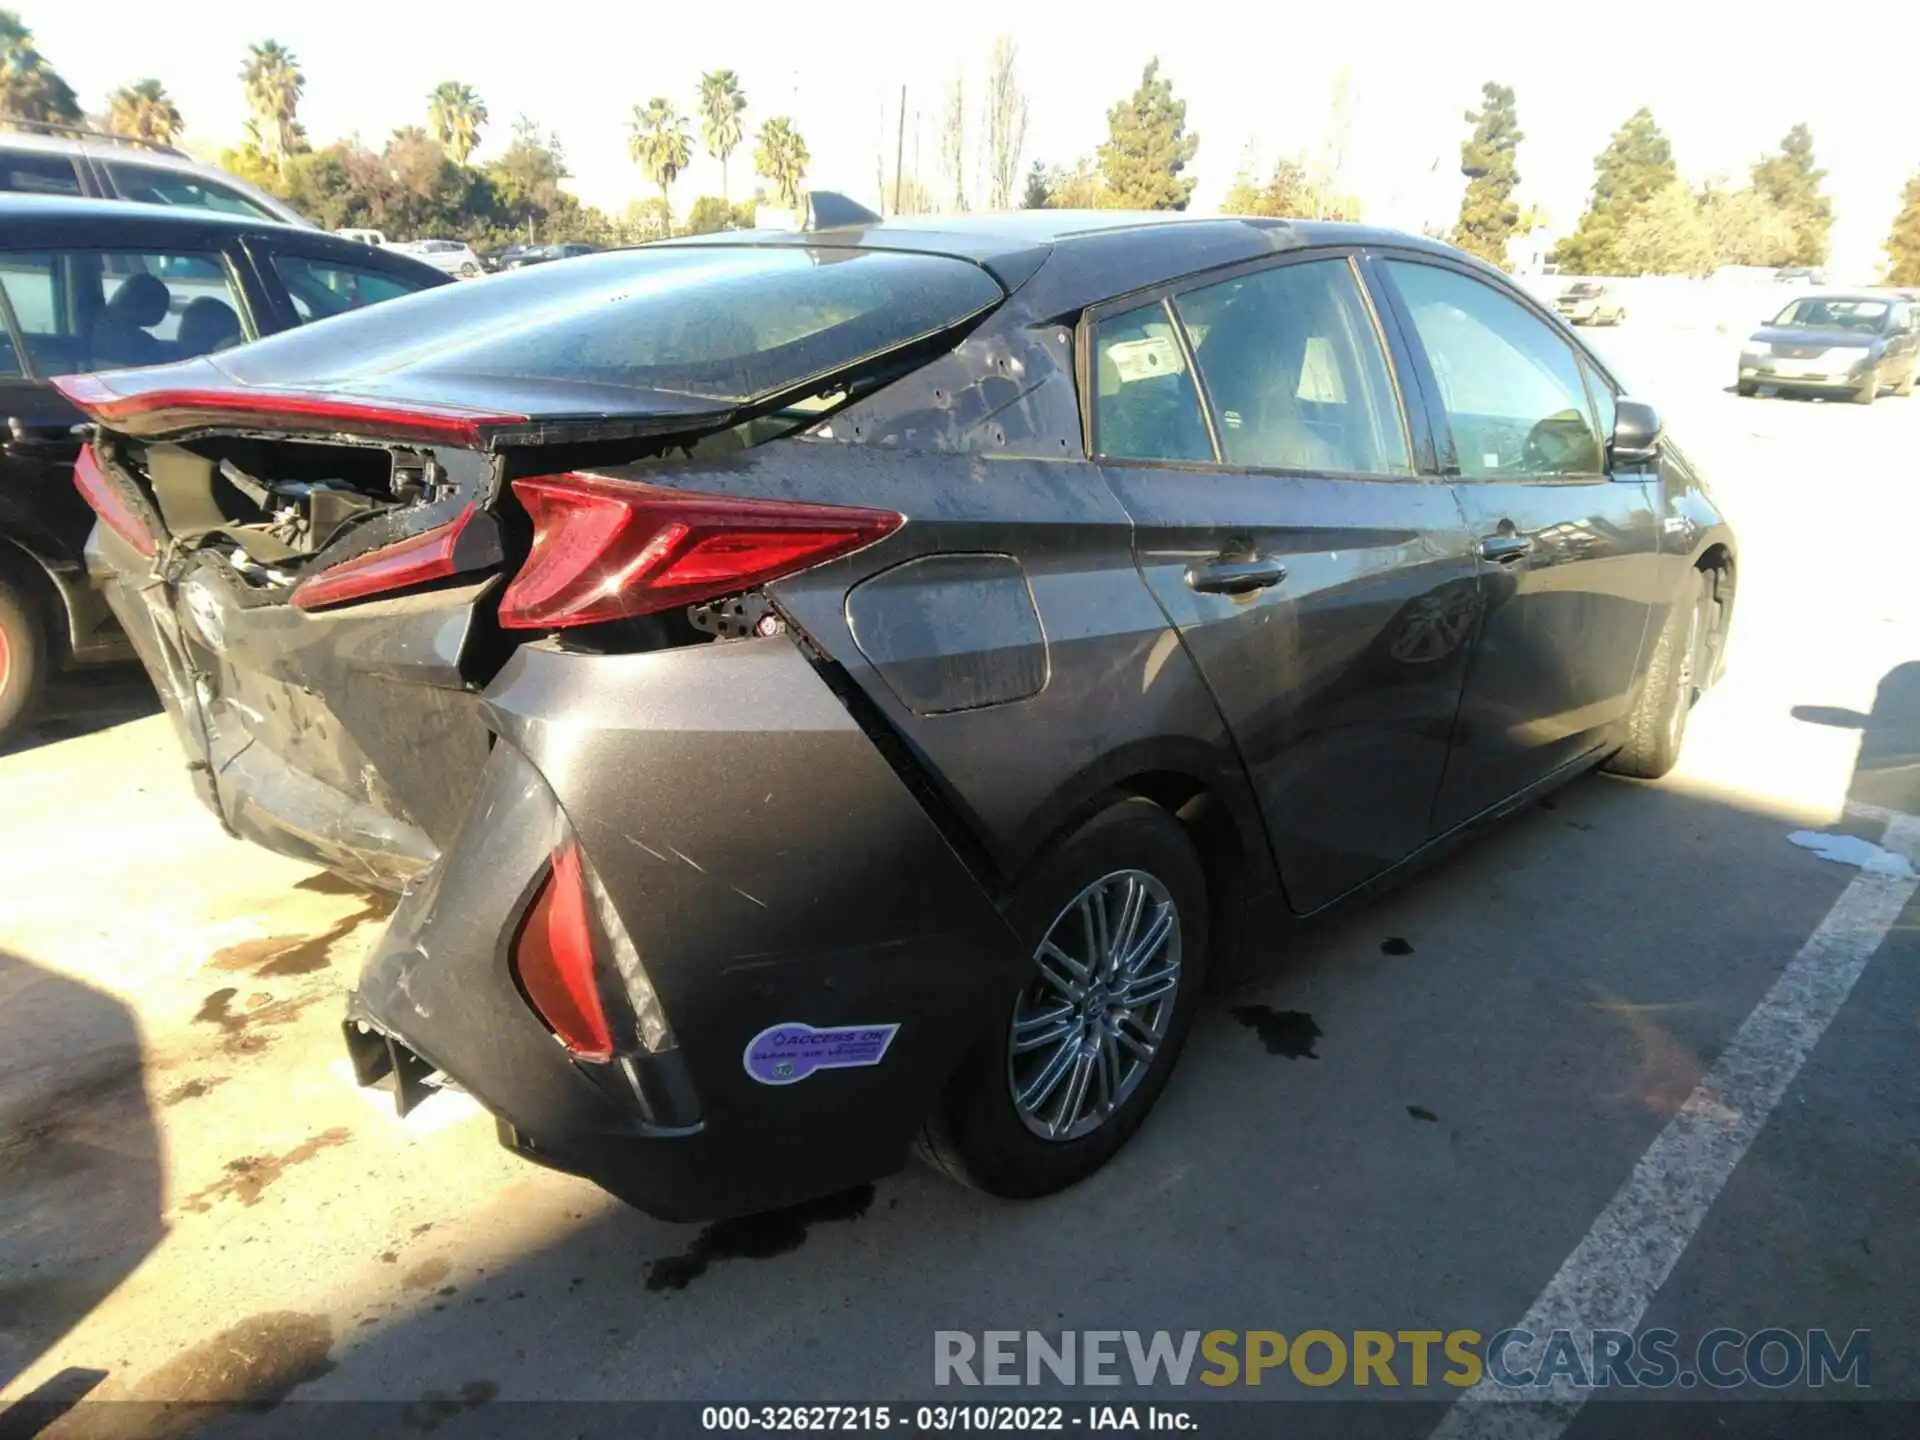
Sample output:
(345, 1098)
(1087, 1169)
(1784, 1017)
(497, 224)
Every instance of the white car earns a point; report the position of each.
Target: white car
(455, 257)
(375, 238)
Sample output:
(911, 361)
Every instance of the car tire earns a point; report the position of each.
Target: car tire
(1905, 387)
(469, 270)
(1869, 390)
(1657, 724)
(23, 658)
(1746, 387)
(980, 1134)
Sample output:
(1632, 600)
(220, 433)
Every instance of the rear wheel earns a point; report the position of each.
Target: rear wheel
(1657, 725)
(1116, 921)
(23, 657)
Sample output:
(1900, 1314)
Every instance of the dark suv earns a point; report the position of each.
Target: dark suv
(98, 285)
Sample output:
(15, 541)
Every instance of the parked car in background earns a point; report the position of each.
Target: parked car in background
(1588, 302)
(375, 238)
(1799, 275)
(92, 285)
(517, 258)
(1856, 345)
(830, 754)
(50, 159)
(449, 257)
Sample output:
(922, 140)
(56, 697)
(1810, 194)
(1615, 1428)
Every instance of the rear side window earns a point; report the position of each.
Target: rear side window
(323, 288)
(152, 186)
(31, 174)
(1145, 405)
(81, 310)
(1294, 368)
(1512, 392)
(711, 322)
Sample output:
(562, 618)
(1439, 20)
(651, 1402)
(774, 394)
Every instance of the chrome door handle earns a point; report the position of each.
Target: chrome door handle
(1223, 576)
(1505, 547)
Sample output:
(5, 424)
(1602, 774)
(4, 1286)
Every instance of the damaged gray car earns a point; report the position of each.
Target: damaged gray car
(827, 693)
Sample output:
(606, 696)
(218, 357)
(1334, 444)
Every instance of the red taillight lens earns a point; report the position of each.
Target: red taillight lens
(412, 561)
(608, 549)
(553, 956)
(109, 504)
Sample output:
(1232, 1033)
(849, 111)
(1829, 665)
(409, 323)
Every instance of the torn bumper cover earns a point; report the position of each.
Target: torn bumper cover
(821, 955)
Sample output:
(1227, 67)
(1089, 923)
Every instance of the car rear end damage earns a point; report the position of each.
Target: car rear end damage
(520, 662)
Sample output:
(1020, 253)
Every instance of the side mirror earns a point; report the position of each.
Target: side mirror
(1636, 434)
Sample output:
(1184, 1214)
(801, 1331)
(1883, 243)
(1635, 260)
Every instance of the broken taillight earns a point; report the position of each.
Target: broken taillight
(109, 504)
(553, 958)
(609, 549)
(399, 566)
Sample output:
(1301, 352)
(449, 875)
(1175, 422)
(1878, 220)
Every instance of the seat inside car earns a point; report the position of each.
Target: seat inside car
(207, 325)
(122, 335)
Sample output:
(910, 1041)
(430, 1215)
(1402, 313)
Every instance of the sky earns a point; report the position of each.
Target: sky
(1725, 81)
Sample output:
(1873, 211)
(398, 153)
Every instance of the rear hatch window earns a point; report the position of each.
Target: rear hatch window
(727, 324)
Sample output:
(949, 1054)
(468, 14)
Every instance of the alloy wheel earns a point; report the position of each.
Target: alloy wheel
(1087, 1027)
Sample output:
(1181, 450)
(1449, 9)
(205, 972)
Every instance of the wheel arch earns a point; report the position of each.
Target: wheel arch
(31, 575)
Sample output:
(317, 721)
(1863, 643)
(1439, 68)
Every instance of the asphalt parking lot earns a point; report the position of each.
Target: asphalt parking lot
(1413, 1120)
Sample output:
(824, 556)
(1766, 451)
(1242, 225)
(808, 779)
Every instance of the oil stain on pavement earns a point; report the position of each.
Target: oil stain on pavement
(248, 1177)
(1290, 1033)
(755, 1237)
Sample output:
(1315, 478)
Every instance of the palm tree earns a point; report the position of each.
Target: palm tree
(722, 102)
(145, 111)
(782, 157)
(657, 141)
(456, 113)
(274, 85)
(31, 89)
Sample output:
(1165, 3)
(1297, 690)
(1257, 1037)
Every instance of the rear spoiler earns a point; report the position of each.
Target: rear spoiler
(151, 411)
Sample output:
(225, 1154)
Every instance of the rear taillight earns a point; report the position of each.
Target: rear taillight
(399, 566)
(608, 549)
(553, 958)
(109, 504)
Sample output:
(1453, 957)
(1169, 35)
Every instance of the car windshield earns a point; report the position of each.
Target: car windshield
(1818, 314)
(713, 322)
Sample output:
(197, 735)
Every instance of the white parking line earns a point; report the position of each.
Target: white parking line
(1613, 1273)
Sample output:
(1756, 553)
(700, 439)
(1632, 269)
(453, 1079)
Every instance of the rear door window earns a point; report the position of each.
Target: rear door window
(1509, 384)
(1145, 406)
(30, 173)
(150, 185)
(321, 288)
(1295, 371)
(80, 310)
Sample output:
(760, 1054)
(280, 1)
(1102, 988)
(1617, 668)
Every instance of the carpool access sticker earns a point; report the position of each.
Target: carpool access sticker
(782, 1054)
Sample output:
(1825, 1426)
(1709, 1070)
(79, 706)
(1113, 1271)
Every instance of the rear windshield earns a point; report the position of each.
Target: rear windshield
(720, 323)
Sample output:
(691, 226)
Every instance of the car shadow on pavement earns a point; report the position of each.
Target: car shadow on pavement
(80, 702)
(1887, 772)
(80, 1163)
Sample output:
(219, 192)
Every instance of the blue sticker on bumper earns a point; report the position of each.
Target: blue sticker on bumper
(782, 1054)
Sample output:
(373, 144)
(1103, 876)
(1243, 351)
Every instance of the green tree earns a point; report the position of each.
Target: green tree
(1746, 228)
(657, 142)
(722, 103)
(1489, 214)
(1077, 188)
(1036, 196)
(1286, 193)
(145, 111)
(274, 86)
(781, 155)
(1791, 184)
(31, 89)
(456, 112)
(526, 179)
(1636, 165)
(1665, 236)
(1903, 241)
(1147, 147)
(715, 212)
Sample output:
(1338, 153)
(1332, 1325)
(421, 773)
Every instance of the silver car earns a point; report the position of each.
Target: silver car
(50, 159)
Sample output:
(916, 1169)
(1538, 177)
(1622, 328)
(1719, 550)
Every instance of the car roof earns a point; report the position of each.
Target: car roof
(41, 221)
(1078, 257)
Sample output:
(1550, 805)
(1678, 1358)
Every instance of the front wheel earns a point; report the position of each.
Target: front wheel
(469, 270)
(23, 658)
(1905, 387)
(1869, 390)
(1116, 922)
(1746, 387)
